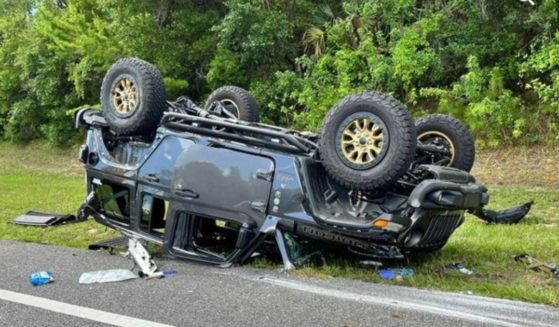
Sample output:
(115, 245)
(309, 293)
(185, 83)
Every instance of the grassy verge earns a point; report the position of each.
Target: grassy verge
(41, 178)
(46, 179)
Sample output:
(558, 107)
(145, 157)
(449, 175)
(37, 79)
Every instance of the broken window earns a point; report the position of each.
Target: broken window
(211, 236)
(153, 215)
(114, 200)
(215, 236)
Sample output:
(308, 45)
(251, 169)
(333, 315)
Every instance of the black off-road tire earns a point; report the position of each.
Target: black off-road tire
(245, 104)
(150, 97)
(397, 155)
(459, 135)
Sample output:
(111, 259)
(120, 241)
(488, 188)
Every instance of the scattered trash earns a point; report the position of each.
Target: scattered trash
(169, 272)
(370, 263)
(34, 218)
(41, 278)
(537, 265)
(461, 268)
(397, 274)
(107, 276)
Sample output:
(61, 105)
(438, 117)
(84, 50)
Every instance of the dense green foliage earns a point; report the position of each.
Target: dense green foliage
(493, 64)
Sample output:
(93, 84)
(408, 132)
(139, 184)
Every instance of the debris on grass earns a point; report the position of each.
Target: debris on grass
(397, 274)
(537, 265)
(35, 218)
(461, 268)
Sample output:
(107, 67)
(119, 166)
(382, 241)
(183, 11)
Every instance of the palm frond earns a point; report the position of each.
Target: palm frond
(314, 40)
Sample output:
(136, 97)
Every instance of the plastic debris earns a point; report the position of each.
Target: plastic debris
(41, 278)
(34, 218)
(154, 275)
(169, 272)
(508, 216)
(107, 276)
(461, 268)
(537, 265)
(397, 274)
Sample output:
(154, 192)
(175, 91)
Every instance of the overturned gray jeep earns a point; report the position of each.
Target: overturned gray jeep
(212, 184)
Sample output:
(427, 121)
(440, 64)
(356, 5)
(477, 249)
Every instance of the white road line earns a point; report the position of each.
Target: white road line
(408, 305)
(466, 309)
(76, 310)
(383, 301)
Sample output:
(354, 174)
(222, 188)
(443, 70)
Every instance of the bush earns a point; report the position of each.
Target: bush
(492, 64)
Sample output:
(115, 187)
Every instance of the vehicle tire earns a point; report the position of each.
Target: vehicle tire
(368, 141)
(451, 134)
(133, 97)
(237, 101)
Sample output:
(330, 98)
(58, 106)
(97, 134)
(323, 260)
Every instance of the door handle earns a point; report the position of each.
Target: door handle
(186, 193)
(152, 178)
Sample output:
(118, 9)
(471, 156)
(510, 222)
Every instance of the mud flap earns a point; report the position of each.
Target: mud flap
(508, 216)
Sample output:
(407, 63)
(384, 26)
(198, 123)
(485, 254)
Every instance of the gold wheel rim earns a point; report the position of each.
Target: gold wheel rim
(362, 141)
(428, 134)
(125, 96)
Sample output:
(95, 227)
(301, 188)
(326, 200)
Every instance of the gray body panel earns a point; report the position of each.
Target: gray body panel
(265, 189)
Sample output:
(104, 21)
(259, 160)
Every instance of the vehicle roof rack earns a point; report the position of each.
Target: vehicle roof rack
(240, 131)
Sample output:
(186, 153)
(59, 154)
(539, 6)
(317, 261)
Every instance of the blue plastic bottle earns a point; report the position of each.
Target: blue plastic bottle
(41, 278)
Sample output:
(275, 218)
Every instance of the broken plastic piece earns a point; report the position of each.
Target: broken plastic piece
(107, 276)
(169, 272)
(537, 265)
(461, 268)
(508, 216)
(396, 273)
(41, 278)
(155, 275)
(34, 218)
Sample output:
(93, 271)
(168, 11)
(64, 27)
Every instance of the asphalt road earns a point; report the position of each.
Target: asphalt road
(201, 295)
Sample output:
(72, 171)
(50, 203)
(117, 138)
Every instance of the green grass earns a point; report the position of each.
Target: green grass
(46, 179)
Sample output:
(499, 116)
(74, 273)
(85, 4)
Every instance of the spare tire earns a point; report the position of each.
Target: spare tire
(450, 134)
(368, 141)
(133, 97)
(237, 101)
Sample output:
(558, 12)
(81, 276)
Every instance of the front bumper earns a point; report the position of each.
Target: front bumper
(438, 210)
(440, 194)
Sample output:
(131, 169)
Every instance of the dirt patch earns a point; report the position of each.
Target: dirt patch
(535, 166)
